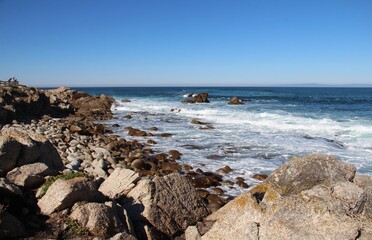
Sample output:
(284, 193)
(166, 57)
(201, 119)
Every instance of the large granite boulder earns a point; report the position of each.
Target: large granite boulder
(30, 175)
(313, 197)
(63, 194)
(102, 219)
(18, 148)
(119, 183)
(170, 204)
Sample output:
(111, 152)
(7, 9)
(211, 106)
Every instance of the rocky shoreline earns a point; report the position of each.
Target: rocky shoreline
(64, 175)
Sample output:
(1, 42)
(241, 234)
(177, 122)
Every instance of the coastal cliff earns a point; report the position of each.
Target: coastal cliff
(64, 175)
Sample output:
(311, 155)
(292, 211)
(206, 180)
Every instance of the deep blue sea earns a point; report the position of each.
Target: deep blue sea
(273, 126)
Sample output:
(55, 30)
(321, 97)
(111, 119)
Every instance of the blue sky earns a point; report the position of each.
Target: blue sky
(186, 42)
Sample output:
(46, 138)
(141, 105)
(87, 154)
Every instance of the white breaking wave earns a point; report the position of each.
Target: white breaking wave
(248, 140)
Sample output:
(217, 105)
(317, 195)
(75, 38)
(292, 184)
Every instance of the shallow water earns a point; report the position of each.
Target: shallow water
(275, 125)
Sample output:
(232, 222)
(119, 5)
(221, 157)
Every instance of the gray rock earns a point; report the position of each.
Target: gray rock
(65, 193)
(365, 182)
(102, 219)
(322, 204)
(33, 148)
(119, 183)
(300, 174)
(30, 175)
(169, 203)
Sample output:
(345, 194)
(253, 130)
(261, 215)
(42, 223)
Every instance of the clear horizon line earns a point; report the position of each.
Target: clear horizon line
(305, 85)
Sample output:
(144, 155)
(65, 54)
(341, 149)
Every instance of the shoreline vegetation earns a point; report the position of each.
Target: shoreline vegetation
(65, 175)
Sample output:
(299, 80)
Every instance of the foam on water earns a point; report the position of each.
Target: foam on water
(249, 138)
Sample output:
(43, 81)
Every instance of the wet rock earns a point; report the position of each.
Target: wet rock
(161, 156)
(65, 193)
(201, 98)
(235, 101)
(206, 181)
(136, 132)
(101, 219)
(165, 135)
(175, 154)
(242, 184)
(196, 121)
(225, 169)
(170, 167)
(207, 127)
(153, 128)
(128, 116)
(150, 141)
(30, 175)
(215, 157)
(260, 177)
(125, 100)
(198, 98)
(119, 183)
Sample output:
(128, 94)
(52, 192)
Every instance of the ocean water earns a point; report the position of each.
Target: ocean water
(274, 125)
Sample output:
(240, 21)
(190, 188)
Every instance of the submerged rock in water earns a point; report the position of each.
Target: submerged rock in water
(235, 101)
(198, 98)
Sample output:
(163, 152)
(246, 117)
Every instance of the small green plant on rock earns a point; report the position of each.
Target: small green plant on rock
(75, 227)
(52, 179)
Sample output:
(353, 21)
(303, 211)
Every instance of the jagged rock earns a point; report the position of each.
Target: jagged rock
(119, 183)
(22, 103)
(313, 197)
(235, 101)
(10, 226)
(201, 98)
(99, 107)
(102, 219)
(198, 98)
(65, 193)
(30, 175)
(169, 203)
